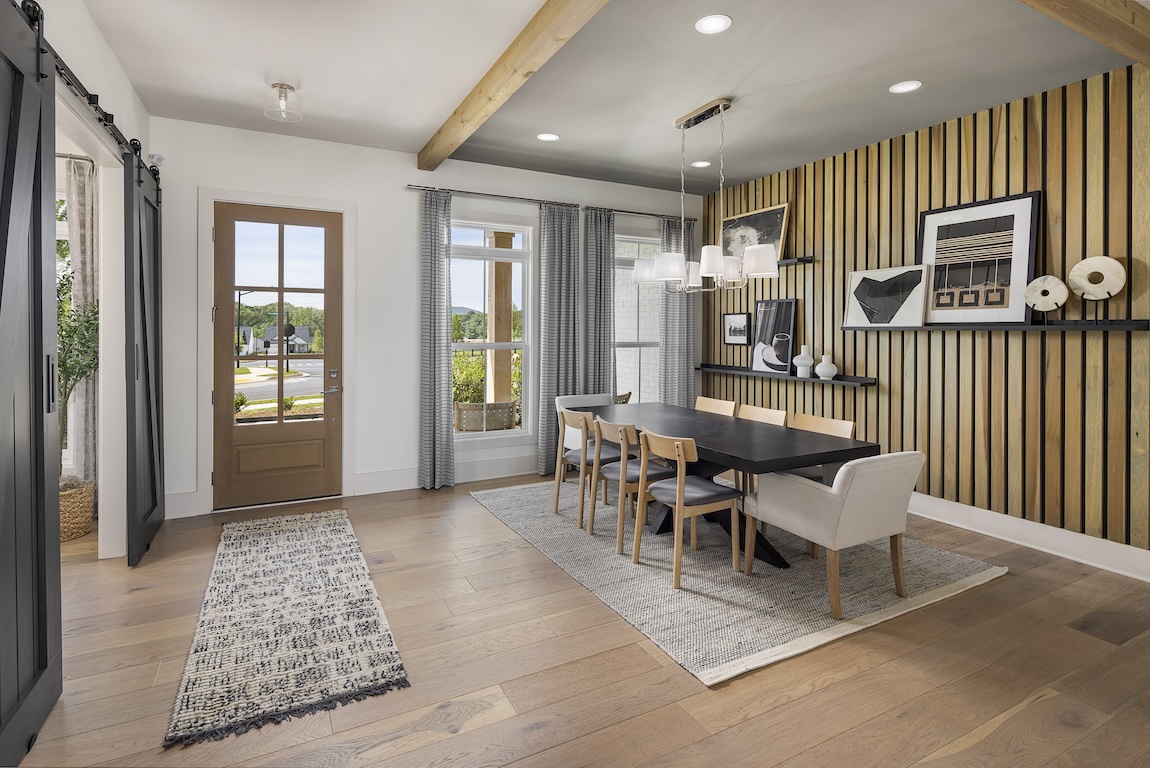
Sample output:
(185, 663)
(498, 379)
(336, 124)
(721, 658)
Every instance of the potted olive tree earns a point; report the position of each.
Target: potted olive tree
(78, 357)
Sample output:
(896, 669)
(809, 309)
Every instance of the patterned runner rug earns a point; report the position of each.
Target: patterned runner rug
(291, 625)
(721, 623)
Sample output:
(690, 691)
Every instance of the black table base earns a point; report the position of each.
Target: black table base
(663, 521)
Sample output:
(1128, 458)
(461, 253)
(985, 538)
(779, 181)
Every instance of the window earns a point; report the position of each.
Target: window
(638, 312)
(489, 264)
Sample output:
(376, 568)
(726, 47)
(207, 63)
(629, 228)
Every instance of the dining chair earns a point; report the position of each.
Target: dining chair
(570, 440)
(868, 500)
(688, 495)
(623, 399)
(580, 423)
(625, 472)
(745, 482)
(821, 424)
(714, 405)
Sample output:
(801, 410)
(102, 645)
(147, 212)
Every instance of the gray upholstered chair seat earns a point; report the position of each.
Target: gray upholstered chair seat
(697, 491)
(607, 453)
(654, 471)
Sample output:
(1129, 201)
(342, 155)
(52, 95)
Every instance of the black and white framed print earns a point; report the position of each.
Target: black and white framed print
(766, 225)
(885, 297)
(774, 335)
(981, 257)
(737, 328)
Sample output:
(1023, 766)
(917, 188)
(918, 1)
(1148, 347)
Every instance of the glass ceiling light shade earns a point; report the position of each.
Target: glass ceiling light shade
(670, 267)
(643, 272)
(761, 260)
(283, 104)
(712, 264)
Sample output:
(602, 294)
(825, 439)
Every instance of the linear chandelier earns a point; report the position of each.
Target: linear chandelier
(673, 269)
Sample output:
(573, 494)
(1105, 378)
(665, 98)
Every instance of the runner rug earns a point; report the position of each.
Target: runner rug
(291, 625)
(721, 623)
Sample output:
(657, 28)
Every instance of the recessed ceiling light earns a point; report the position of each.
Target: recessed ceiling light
(701, 164)
(712, 25)
(906, 86)
(548, 137)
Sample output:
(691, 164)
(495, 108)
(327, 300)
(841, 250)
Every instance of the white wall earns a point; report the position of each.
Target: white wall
(383, 254)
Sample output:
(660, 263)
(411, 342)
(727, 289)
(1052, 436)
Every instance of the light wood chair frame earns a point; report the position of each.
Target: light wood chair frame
(626, 436)
(715, 405)
(582, 421)
(682, 451)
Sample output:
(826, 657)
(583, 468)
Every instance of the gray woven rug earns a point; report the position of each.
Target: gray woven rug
(291, 625)
(722, 623)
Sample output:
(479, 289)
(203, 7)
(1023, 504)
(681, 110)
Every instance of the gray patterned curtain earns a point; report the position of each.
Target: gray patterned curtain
(558, 279)
(597, 362)
(436, 435)
(82, 193)
(677, 331)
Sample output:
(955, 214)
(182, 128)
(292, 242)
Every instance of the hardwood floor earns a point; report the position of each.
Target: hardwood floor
(512, 662)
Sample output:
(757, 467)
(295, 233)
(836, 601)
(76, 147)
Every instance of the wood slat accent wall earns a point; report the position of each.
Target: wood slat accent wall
(1051, 427)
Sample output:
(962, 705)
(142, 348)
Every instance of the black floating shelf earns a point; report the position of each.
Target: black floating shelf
(840, 380)
(799, 260)
(1055, 326)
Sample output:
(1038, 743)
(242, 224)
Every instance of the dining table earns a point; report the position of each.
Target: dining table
(741, 444)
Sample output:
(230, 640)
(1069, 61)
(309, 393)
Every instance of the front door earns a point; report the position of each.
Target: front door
(278, 354)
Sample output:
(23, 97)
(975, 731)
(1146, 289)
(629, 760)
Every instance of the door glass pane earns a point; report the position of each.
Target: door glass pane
(257, 254)
(648, 375)
(303, 256)
(304, 379)
(256, 385)
(627, 371)
(626, 307)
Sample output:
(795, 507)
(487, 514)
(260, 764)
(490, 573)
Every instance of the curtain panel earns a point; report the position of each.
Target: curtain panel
(677, 330)
(436, 431)
(82, 193)
(598, 357)
(558, 280)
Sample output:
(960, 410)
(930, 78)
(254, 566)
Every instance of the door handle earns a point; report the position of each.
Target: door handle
(332, 390)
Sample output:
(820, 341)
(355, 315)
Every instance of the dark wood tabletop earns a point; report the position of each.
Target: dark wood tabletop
(749, 446)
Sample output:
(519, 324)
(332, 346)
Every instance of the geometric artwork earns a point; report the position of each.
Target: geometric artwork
(767, 225)
(774, 335)
(878, 297)
(982, 257)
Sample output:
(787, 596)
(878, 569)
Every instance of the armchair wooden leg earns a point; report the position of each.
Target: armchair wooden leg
(749, 546)
(833, 583)
(594, 489)
(583, 491)
(640, 521)
(694, 533)
(678, 548)
(623, 496)
(604, 481)
(813, 550)
(735, 535)
(896, 564)
(558, 482)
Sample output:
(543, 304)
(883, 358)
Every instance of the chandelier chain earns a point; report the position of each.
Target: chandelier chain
(722, 141)
(683, 188)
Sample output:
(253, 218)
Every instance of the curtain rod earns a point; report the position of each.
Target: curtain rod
(63, 156)
(640, 213)
(486, 194)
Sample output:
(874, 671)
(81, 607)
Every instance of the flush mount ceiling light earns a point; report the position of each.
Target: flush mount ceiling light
(713, 24)
(906, 86)
(548, 137)
(283, 104)
(701, 164)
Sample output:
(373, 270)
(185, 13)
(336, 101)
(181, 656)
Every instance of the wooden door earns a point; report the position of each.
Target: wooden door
(30, 669)
(278, 354)
(144, 369)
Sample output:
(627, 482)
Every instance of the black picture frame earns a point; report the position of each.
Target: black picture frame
(774, 342)
(737, 328)
(979, 282)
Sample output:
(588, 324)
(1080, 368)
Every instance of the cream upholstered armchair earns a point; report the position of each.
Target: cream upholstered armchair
(868, 500)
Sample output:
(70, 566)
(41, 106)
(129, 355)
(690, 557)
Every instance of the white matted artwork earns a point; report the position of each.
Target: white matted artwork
(886, 297)
(982, 258)
(737, 328)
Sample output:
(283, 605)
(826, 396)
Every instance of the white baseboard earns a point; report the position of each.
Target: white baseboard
(489, 469)
(384, 481)
(1100, 553)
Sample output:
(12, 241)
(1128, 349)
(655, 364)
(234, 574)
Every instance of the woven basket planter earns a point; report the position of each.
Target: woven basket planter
(76, 497)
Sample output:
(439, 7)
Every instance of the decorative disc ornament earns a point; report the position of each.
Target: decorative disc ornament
(1097, 278)
(1046, 293)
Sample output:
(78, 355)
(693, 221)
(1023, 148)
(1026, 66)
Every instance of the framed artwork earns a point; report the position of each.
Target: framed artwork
(767, 225)
(774, 335)
(882, 297)
(737, 328)
(981, 257)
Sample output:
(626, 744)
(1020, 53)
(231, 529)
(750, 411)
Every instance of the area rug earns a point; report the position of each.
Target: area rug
(291, 625)
(722, 623)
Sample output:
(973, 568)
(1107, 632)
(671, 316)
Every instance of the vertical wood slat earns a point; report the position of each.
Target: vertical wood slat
(1012, 433)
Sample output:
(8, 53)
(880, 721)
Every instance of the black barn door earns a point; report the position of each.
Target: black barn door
(142, 305)
(30, 673)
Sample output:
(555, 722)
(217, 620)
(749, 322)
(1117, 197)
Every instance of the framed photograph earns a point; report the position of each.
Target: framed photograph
(737, 328)
(981, 257)
(767, 225)
(774, 335)
(885, 297)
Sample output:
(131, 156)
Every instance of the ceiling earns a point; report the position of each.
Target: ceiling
(809, 79)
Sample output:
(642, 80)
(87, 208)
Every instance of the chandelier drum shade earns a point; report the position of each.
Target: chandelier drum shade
(283, 104)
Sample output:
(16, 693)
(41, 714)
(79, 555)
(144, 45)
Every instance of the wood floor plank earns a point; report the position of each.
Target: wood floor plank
(469, 602)
(113, 742)
(477, 646)
(1123, 742)
(1111, 683)
(566, 680)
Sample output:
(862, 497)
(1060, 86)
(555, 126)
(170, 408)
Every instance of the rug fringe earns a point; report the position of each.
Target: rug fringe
(243, 726)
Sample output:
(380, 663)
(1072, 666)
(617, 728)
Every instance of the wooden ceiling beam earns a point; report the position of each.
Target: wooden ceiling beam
(1121, 25)
(552, 26)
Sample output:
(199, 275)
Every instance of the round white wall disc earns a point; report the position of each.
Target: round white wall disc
(1097, 278)
(1046, 293)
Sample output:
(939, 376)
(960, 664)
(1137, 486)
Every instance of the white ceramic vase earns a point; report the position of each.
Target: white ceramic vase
(803, 362)
(826, 369)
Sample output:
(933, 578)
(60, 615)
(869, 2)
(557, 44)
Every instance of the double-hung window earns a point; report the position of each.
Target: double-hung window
(489, 274)
(638, 312)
